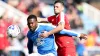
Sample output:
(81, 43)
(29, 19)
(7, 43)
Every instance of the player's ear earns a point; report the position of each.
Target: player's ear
(62, 8)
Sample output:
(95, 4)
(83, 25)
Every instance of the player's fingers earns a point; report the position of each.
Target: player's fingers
(41, 35)
(85, 37)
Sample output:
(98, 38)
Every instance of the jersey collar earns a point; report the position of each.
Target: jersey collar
(37, 27)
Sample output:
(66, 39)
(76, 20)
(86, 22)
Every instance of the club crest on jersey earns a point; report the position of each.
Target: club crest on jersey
(39, 40)
(52, 20)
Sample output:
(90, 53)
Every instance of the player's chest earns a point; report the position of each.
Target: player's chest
(37, 39)
(35, 35)
(55, 20)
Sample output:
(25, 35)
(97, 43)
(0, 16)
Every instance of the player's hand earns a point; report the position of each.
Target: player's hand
(44, 34)
(83, 36)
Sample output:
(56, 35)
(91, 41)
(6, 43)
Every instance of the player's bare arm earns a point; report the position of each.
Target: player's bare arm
(57, 29)
(81, 36)
(42, 20)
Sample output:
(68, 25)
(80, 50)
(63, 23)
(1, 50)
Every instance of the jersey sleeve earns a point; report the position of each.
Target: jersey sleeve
(61, 18)
(67, 25)
(30, 46)
(49, 19)
(63, 32)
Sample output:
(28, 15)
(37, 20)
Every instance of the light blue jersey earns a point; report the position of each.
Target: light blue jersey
(44, 45)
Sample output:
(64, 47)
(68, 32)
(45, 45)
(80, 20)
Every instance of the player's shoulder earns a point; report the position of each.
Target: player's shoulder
(44, 25)
(41, 25)
(50, 18)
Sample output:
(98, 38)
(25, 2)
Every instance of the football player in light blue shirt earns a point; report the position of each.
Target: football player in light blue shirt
(45, 46)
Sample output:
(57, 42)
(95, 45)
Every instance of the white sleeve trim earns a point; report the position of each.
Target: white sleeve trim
(61, 18)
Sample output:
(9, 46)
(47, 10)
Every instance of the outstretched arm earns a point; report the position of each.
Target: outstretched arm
(42, 20)
(64, 31)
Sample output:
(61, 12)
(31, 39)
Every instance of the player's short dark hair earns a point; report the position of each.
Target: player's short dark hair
(58, 1)
(32, 17)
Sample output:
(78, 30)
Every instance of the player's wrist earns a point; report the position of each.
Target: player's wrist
(78, 35)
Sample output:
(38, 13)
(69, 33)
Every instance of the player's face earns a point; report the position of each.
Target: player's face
(32, 24)
(58, 7)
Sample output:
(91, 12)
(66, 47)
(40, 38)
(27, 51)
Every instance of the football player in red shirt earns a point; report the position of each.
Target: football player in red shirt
(65, 44)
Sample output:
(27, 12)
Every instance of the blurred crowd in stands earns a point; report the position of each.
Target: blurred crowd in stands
(43, 9)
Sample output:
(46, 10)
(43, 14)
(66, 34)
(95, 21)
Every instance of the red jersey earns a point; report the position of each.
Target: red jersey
(61, 40)
(3, 36)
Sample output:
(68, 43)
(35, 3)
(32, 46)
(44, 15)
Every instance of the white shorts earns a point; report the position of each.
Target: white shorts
(37, 54)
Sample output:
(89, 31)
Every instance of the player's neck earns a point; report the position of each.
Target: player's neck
(56, 14)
